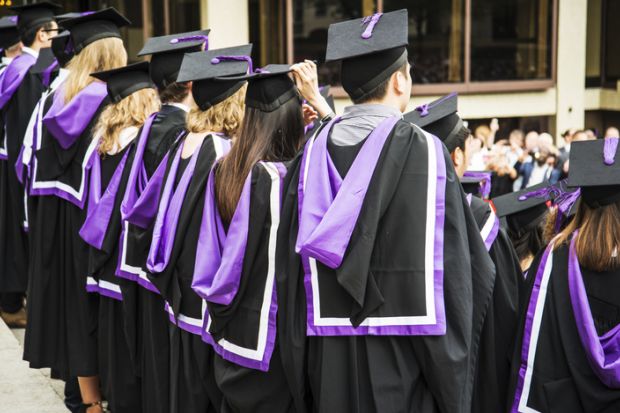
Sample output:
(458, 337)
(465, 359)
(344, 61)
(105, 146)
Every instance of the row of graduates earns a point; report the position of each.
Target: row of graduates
(202, 256)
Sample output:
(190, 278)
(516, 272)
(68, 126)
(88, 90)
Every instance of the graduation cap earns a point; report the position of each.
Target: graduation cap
(526, 208)
(595, 168)
(126, 80)
(72, 15)
(62, 48)
(371, 50)
(441, 119)
(168, 52)
(214, 78)
(9, 36)
(270, 88)
(95, 26)
(477, 183)
(33, 16)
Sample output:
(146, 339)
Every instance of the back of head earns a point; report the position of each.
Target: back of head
(224, 117)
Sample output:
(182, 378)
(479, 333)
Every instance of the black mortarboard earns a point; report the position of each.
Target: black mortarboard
(524, 209)
(168, 52)
(270, 88)
(371, 50)
(72, 15)
(33, 16)
(62, 48)
(441, 119)
(95, 26)
(209, 71)
(472, 185)
(126, 80)
(9, 36)
(595, 168)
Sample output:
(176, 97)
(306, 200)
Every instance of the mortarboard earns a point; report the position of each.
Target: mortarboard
(214, 77)
(441, 119)
(33, 16)
(72, 15)
(595, 168)
(168, 53)
(371, 50)
(9, 36)
(126, 80)
(94, 26)
(62, 49)
(477, 183)
(270, 87)
(525, 209)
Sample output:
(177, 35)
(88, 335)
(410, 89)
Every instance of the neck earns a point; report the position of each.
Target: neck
(386, 101)
(188, 100)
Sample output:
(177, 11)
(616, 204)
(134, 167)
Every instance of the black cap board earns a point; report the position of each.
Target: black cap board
(72, 15)
(441, 119)
(526, 208)
(33, 16)
(213, 80)
(62, 49)
(472, 185)
(126, 80)
(595, 168)
(270, 88)
(168, 53)
(9, 36)
(95, 26)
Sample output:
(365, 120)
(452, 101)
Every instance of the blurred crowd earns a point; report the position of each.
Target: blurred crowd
(524, 159)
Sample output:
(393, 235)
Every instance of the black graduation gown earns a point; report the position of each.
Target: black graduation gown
(62, 316)
(562, 379)
(119, 382)
(497, 342)
(192, 383)
(387, 373)
(14, 253)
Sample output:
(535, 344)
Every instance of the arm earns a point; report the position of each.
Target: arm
(306, 79)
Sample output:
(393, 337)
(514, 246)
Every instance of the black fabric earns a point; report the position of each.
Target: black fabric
(124, 81)
(9, 36)
(208, 93)
(209, 64)
(562, 379)
(166, 128)
(11, 302)
(62, 49)
(269, 93)
(421, 373)
(73, 397)
(89, 28)
(34, 16)
(497, 343)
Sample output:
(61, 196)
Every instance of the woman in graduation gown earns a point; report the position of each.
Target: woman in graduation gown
(212, 122)
(62, 316)
(133, 99)
(567, 357)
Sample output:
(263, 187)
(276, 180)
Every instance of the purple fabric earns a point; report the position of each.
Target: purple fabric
(564, 202)
(19, 166)
(425, 108)
(47, 73)
(219, 261)
(490, 238)
(485, 181)
(11, 78)
(205, 40)
(168, 214)
(371, 21)
(98, 288)
(545, 192)
(610, 146)
(66, 122)
(537, 289)
(218, 59)
(183, 325)
(603, 353)
(101, 206)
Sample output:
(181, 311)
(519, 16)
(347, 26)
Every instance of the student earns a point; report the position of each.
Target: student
(376, 212)
(133, 99)
(566, 358)
(213, 121)
(62, 316)
(19, 93)
(441, 119)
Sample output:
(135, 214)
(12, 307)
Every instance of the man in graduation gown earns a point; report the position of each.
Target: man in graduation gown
(383, 279)
(20, 91)
(442, 120)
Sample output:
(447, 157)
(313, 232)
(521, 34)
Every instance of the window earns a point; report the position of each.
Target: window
(267, 31)
(611, 34)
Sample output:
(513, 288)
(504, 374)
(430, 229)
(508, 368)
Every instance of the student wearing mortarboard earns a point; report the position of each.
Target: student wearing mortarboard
(442, 120)
(394, 279)
(133, 99)
(61, 315)
(10, 42)
(566, 358)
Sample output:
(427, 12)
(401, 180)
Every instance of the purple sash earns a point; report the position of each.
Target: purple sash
(490, 230)
(11, 78)
(66, 122)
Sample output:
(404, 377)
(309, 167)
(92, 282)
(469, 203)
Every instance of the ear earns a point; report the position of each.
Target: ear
(458, 158)
(399, 81)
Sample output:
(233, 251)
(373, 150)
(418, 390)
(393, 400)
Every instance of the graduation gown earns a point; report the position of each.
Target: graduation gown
(566, 357)
(101, 230)
(497, 342)
(374, 342)
(170, 266)
(235, 273)
(62, 316)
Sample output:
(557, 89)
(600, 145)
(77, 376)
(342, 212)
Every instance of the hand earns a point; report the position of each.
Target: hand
(310, 115)
(306, 80)
(494, 126)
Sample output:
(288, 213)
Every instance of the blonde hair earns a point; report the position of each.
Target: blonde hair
(131, 111)
(103, 54)
(225, 117)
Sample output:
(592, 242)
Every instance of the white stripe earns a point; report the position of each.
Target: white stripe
(196, 322)
(109, 286)
(488, 226)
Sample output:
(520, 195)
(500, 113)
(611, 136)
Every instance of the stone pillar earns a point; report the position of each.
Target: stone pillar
(228, 20)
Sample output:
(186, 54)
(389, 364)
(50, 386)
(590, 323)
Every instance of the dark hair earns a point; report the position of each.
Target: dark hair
(29, 36)
(528, 241)
(461, 137)
(264, 136)
(380, 91)
(174, 93)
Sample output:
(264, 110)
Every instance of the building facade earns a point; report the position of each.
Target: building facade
(534, 64)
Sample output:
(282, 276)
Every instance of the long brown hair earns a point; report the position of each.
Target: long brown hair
(264, 136)
(598, 239)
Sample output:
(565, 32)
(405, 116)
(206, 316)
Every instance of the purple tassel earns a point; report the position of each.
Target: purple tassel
(546, 192)
(205, 39)
(372, 22)
(218, 59)
(485, 181)
(423, 109)
(609, 150)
